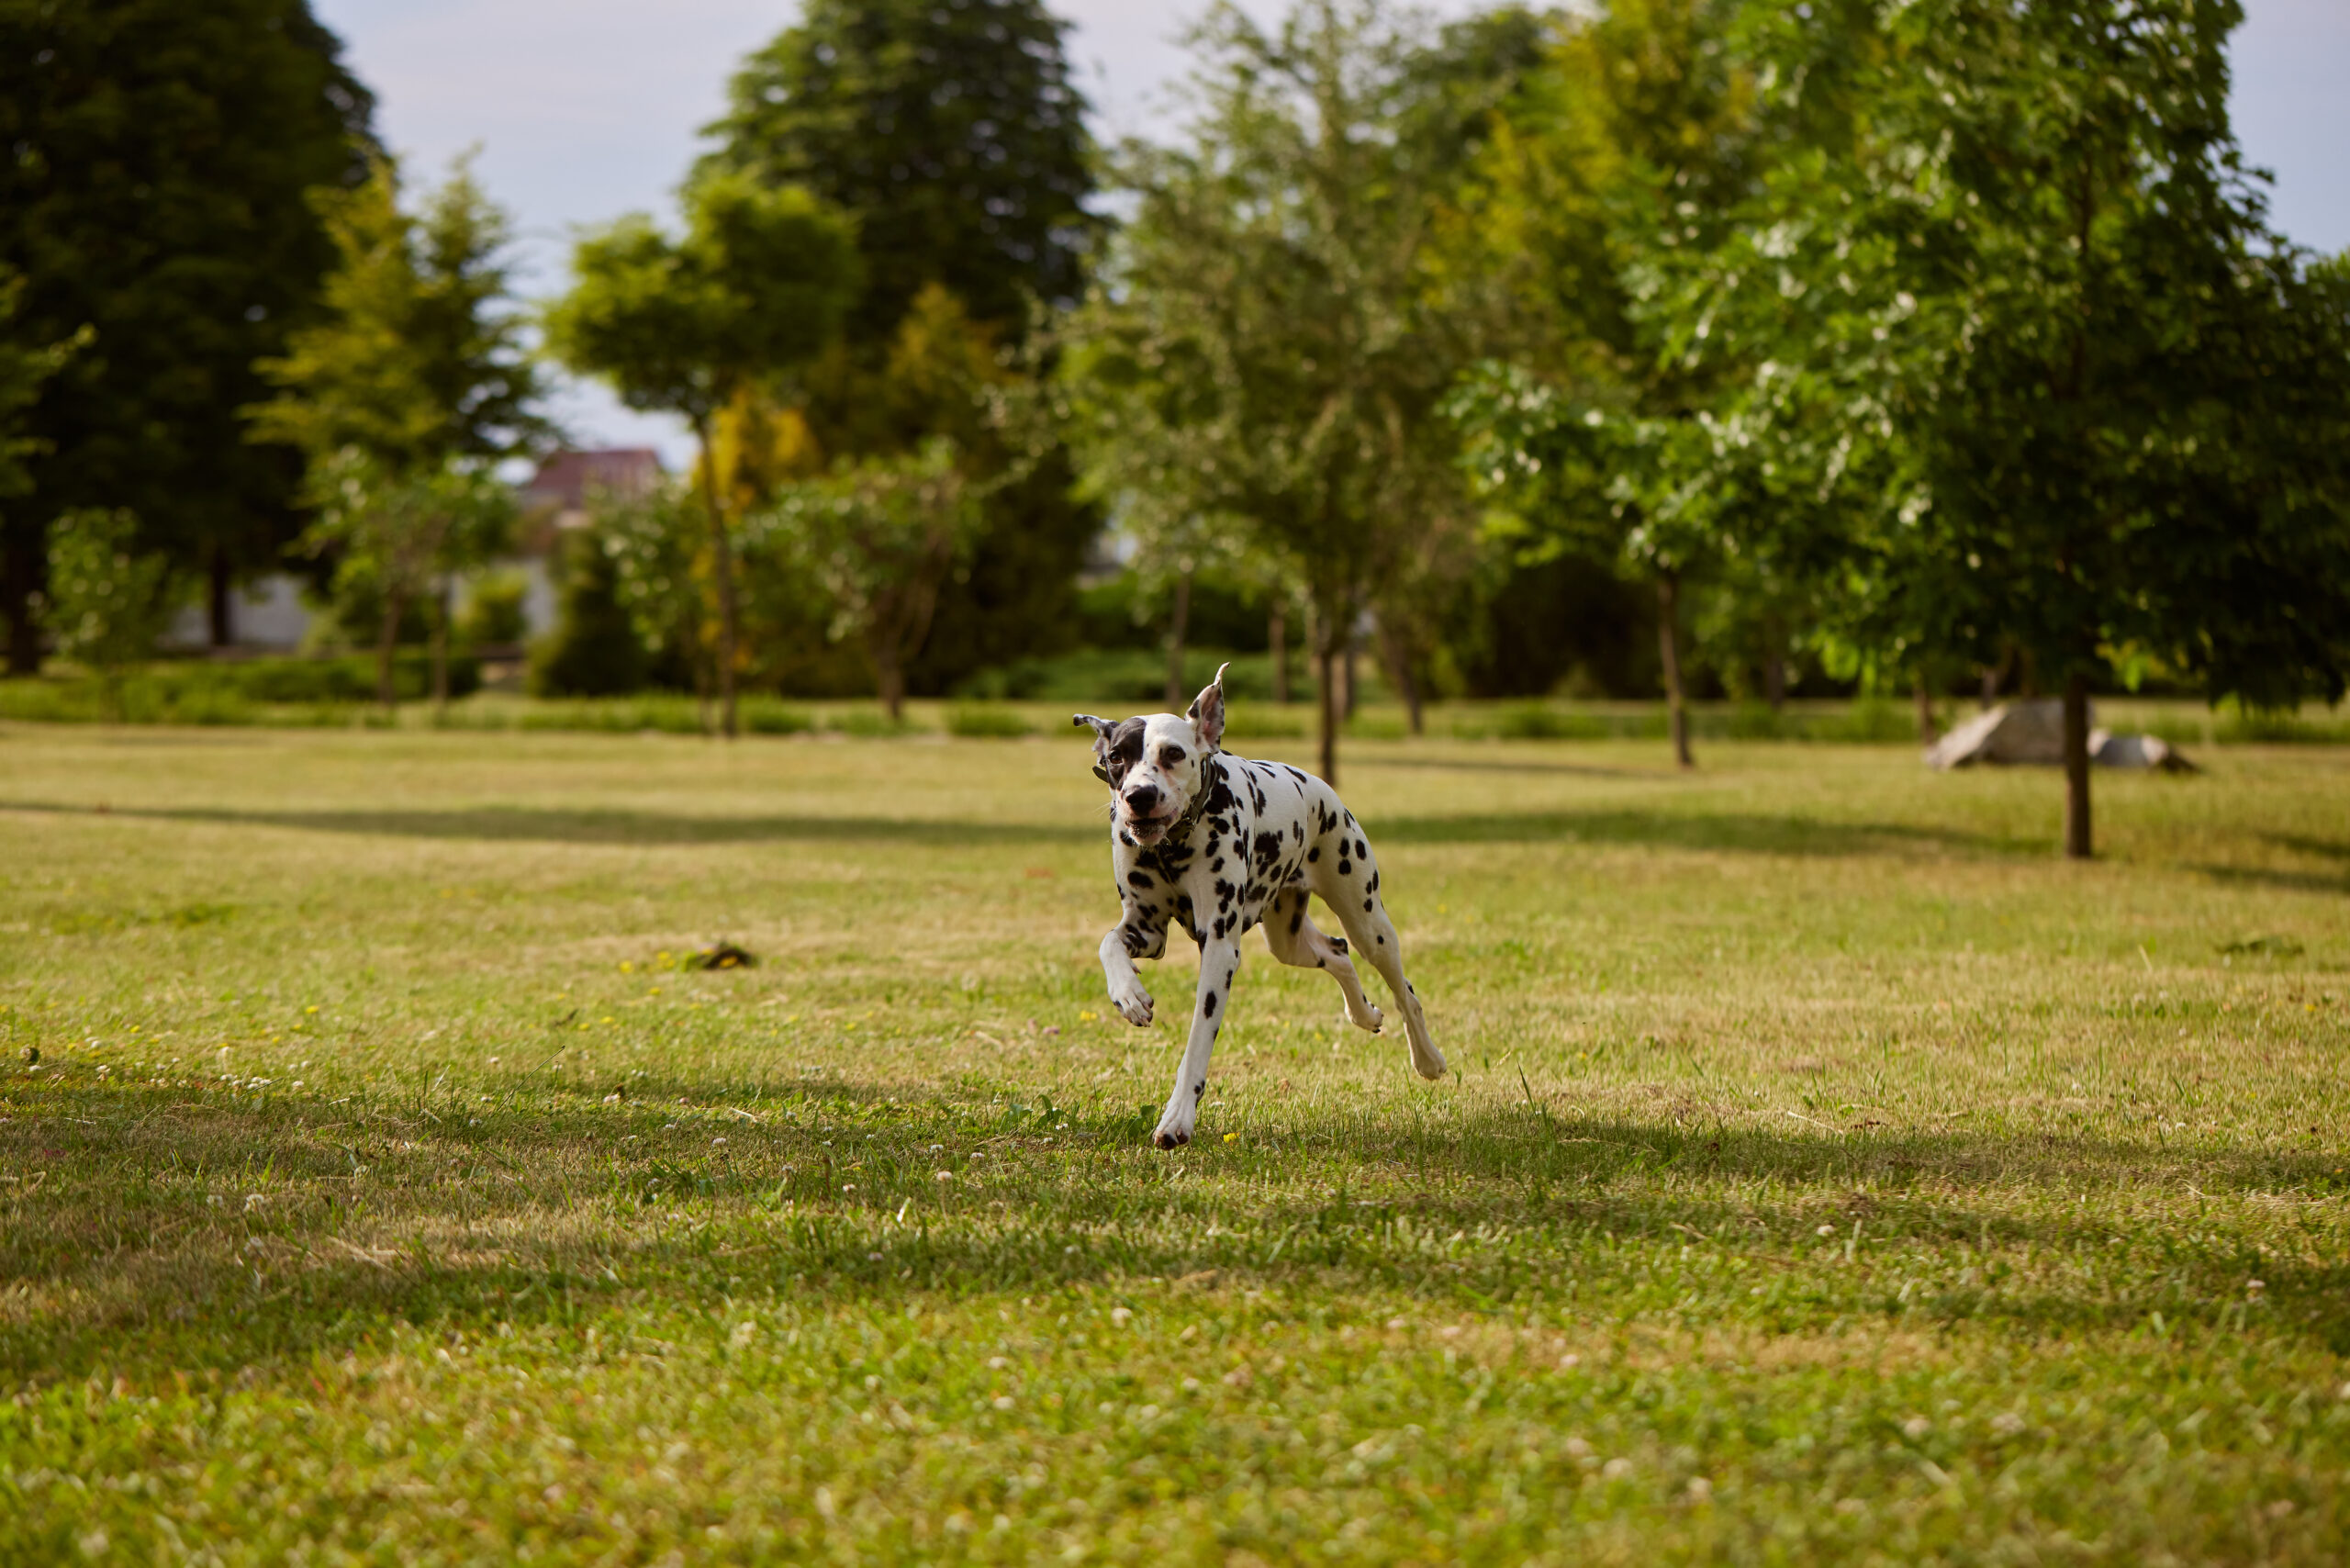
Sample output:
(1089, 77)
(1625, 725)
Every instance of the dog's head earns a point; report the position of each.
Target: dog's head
(1156, 764)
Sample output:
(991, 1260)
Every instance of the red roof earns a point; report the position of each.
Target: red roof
(565, 479)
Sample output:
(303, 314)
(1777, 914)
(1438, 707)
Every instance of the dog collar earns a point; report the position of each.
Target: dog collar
(1182, 825)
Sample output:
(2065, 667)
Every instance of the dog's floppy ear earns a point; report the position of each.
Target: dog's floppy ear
(1102, 728)
(1207, 710)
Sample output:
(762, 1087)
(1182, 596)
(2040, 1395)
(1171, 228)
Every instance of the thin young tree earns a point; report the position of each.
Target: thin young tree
(1265, 347)
(755, 285)
(415, 383)
(881, 534)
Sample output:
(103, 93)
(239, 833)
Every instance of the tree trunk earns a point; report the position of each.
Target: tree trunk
(1277, 638)
(723, 563)
(22, 548)
(220, 604)
(386, 691)
(1331, 712)
(1668, 637)
(1992, 676)
(441, 653)
(1177, 622)
(891, 677)
(1398, 660)
(1351, 689)
(2076, 767)
(1928, 734)
(1775, 665)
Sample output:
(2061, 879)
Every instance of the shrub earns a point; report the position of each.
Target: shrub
(985, 722)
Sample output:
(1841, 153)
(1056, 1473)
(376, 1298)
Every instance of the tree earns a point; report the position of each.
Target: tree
(881, 534)
(156, 191)
(1636, 142)
(953, 136)
(951, 132)
(24, 367)
(2026, 308)
(755, 287)
(1265, 346)
(421, 358)
(394, 533)
(415, 381)
(108, 599)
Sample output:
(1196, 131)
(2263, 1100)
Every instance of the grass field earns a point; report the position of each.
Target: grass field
(1829, 1172)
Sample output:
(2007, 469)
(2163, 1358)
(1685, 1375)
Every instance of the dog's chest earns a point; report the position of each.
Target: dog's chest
(1249, 844)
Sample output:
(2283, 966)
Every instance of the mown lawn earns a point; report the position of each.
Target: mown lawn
(1829, 1172)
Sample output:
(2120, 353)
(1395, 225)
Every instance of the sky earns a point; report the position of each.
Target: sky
(585, 109)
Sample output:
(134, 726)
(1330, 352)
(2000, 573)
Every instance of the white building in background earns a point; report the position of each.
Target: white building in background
(271, 615)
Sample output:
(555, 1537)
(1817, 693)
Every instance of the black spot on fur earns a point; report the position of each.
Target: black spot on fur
(1142, 880)
(1207, 1009)
(1337, 944)
(1296, 921)
(1366, 909)
(1346, 868)
(1315, 852)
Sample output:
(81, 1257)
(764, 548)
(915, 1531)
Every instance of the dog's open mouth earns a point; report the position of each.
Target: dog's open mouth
(1149, 830)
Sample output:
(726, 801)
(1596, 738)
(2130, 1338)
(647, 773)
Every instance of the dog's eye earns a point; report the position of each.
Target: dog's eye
(1170, 756)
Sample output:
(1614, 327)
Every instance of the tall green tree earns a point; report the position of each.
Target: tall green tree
(2027, 304)
(1266, 345)
(108, 599)
(1636, 141)
(951, 131)
(955, 137)
(413, 384)
(156, 191)
(755, 288)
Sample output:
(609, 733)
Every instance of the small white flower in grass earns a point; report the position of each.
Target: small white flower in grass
(1569, 1362)
(1578, 1448)
(1003, 1402)
(946, 1175)
(873, 1257)
(716, 1141)
(1916, 1427)
(2008, 1424)
(743, 1334)
(1397, 1323)
(848, 1186)
(1120, 1316)
(2254, 1287)
(1616, 1469)
(1700, 1488)
(1825, 1230)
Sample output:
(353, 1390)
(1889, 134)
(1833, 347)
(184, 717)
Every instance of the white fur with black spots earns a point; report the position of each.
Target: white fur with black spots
(1217, 844)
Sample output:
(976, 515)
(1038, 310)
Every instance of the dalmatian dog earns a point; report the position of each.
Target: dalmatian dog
(1217, 844)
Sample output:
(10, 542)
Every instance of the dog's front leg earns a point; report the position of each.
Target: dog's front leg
(1142, 935)
(1219, 962)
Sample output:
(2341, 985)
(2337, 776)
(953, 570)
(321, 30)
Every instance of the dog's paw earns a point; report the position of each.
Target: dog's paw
(1370, 1018)
(1175, 1140)
(1427, 1060)
(1135, 1005)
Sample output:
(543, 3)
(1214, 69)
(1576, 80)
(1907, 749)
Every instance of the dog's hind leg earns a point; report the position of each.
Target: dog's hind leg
(1364, 915)
(1297, 942)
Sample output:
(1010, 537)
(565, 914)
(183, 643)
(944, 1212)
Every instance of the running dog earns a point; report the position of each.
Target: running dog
(1217, 844)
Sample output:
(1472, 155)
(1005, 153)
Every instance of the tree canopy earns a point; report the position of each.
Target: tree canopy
(950, 131)
(158, 192)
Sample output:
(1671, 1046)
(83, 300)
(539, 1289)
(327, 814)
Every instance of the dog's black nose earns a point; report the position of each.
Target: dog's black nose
(1143, 798)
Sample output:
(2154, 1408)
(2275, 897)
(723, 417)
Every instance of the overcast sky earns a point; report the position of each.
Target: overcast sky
(585, 109)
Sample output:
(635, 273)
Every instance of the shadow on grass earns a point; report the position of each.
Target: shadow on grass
(143, 1247)
(539, 824)
(1752, 832)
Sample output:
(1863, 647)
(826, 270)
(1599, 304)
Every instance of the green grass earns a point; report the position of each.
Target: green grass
(1829, 1172)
